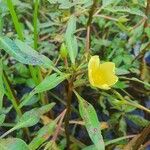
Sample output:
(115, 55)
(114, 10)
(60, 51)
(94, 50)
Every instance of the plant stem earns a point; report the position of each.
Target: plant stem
(59, 126)
(15, 19)
(131, 103)
(68, 112)
(136, 80)
(12, 96)
(137, 106)
(14, 101)
(35, 21)
(91, 13)
(147, 13)
(43, 95)
(118, 139)
(35, 24)
(144, 134)
(9, 131)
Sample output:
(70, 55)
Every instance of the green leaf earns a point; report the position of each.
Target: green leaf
(2, 118)
(53, 1)
(133, 11)
(35, 114)
(122, 71)
(1, 85)
(106, 3)
(121, 85)
(47, 84)
(1, 23)
(92, 124)
(26, 121)
(13, 144)
(140, 121)
(91, 147)
(136, 34)
(44, 109)
(147, 31)
(30, 118)
(43, 134)
(24, 53)
(52, 145)
(70, 39)
(122, 126)
(65, 4)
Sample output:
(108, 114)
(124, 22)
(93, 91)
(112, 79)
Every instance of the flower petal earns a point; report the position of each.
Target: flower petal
(93, 66)
(94, 62)
(107, 70)
(104, 86)
(101, 75)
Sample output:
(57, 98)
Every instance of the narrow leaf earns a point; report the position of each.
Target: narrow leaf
(24, 53)
(1, 85)
(106, 3)
(91, 147)
(138, 120)
(30, 118)
(89, 116)
(133, 11)
(70, 39)
(35, 114)
(2, 118)
(43, 134)
(47, 84)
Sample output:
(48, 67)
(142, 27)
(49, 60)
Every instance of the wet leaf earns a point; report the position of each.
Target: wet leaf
(13, 144)
(89, 116)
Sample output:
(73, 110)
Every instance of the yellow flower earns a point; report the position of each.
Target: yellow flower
(101, 75)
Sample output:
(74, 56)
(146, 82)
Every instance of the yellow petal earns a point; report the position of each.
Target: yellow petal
(94, 62)
(101, 75)
(93, 66)
(103, 86)
(107, 70)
